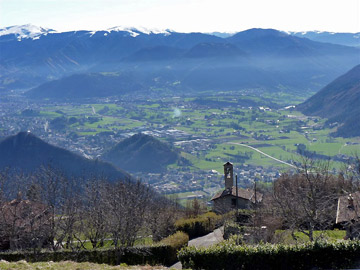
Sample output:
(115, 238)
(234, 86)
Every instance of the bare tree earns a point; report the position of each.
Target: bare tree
(59, 194)
(306, 201)
(13, 212)
(351, 172)
(95, 212)
(23, 219)
(48, 207)
(127, 203)
(3, 227)
(194, 208)
(348, 212)
(161, 217)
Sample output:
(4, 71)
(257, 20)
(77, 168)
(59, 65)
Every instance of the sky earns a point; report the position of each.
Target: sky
(185, 15)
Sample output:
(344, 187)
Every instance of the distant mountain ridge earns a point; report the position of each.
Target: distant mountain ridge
(255, 58)
(26, 152)
(33, 32)
(142, 153)
(339, 101)
(347, 39)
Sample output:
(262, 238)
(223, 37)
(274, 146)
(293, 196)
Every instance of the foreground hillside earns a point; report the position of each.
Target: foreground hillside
(339, 101)
(25, 152)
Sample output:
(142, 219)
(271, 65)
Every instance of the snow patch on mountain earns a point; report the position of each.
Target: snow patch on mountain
(304, 33)
(132, 31)
(26, 31)
(135, 31)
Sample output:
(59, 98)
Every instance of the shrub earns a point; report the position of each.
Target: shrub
(232, 228)
(198, 226)
(177, 240)
(267, 257)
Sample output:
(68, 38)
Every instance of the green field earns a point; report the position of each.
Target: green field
(329, 235)
(275, 132)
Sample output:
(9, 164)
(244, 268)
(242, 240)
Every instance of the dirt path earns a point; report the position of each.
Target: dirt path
(204, 241)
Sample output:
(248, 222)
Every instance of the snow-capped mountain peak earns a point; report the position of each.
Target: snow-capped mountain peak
(134, 31)
(139, 30)
(25, 31)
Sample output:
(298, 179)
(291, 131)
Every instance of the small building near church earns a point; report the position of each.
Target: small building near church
(348, 214)
(231, 197)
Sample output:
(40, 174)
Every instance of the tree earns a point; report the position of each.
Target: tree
(127, 203)
(24, 222)
(95, 212)
(60, 194)
(47, 208)
(307, 200)
(351, 172)
(161, 217)
(348, 215)
(194, 208)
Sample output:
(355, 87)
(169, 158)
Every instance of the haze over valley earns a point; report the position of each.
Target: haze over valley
(205, 96)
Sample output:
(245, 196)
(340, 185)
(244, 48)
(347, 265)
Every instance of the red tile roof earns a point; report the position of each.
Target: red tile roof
(247, 194)
(348, 208)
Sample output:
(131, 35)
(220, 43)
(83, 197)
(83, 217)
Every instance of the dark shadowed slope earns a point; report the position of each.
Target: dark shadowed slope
(28, 153)
(339, 101)
(142, 153)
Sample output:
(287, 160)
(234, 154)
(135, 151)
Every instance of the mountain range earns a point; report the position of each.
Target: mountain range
(257, 58)
(26, 152)
(142, 153)
(339, 102)
(347, 39)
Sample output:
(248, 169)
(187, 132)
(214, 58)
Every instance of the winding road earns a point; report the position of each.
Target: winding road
(257, 150)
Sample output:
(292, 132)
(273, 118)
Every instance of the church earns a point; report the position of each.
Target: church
(232, 197)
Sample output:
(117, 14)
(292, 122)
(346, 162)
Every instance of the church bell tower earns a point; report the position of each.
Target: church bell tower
(229, 175)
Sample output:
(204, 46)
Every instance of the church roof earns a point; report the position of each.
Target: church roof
(247, 194)
(228, 163)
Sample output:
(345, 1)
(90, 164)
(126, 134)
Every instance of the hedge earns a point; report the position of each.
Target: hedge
(198, 226)
(152, 255)
(227, 255)
(164, 253)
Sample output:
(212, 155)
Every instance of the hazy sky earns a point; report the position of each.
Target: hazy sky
(185, 15)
